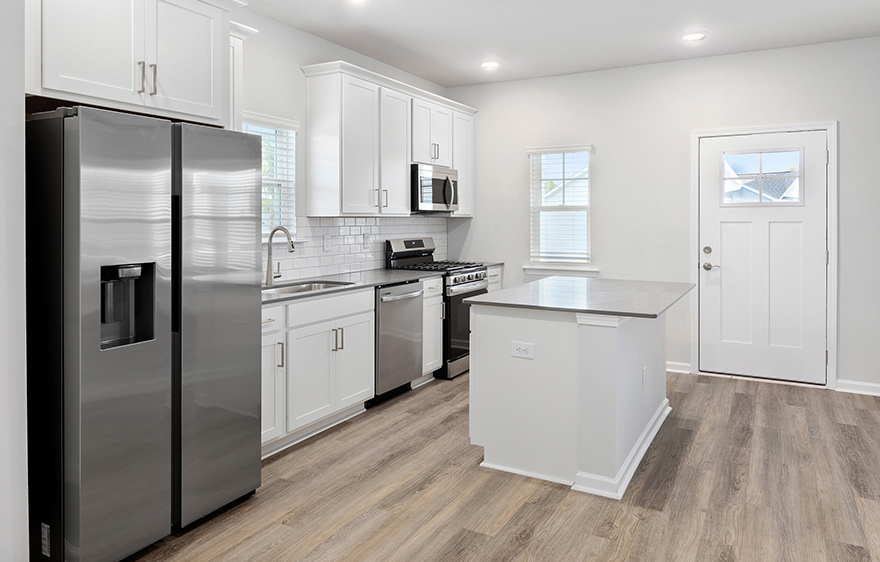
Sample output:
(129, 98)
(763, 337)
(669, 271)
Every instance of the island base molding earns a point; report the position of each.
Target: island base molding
(614, 488)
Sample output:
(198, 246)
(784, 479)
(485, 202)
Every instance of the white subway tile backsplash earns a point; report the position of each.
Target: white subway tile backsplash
(347, 252)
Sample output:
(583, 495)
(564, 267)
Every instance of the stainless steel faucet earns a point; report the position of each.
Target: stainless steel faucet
(270, 275)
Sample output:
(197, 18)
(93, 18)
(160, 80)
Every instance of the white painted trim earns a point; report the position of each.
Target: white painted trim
(270, 121)
(615, 488)
(384, 81)
(831, 130)
(678, 367)
(600, 320)
(559, 149)
(525, 473)
(858, 387)
(570, 271)
(241, 31)
(274, 447)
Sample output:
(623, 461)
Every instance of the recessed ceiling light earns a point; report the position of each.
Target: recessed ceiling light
(490, 64)
(697, 35)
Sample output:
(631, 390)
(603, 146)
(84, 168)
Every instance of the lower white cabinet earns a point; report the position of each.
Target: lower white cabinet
(272, 386)
(331, 368)
(432, 326)
(495, 275)
(318, 360)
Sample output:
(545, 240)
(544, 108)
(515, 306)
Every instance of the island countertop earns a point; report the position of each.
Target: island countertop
(614, 297)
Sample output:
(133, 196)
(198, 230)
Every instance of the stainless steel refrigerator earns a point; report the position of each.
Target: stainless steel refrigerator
(143, 328)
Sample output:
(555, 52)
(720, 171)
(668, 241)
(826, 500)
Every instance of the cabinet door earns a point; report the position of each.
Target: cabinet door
(360, 151)
(185, 42)
(394, 150)
(422, 146)
(272, 404)
(355, 360)
(310, 381)
(93, 48)
(463, 161)
(441, 135)
(432, 332)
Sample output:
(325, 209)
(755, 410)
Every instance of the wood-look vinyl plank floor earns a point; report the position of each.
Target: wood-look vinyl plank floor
(740, 471)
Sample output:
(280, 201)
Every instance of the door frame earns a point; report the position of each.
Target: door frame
(831, 131)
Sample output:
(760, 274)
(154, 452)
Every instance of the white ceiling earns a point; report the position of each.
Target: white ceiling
(445, 40)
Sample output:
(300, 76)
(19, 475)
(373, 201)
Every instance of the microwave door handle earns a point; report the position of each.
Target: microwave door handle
(452, 185)
(448, 192)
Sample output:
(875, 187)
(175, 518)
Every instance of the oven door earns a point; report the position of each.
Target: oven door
(457, 330)
(435, 188)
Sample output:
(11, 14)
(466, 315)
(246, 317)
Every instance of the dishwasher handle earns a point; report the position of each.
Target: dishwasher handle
(401, 297)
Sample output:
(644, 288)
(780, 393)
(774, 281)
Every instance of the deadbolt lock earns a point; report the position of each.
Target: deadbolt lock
(707, 249)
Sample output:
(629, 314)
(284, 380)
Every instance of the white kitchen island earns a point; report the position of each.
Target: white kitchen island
(583, 409)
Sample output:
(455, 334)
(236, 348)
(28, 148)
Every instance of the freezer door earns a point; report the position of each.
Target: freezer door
(217, 179)
(117, 446)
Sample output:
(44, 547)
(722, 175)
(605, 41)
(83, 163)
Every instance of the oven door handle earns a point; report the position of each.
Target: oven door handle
(467, 288)
(401, 297)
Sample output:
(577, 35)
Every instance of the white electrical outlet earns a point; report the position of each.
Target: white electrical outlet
(644, 377)
(326, 242)
(522, 349)
(366, 240)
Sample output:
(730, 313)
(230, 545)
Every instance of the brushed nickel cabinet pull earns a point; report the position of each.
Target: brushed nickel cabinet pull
(143, 66)
(335, 340)
(154, 92)
(342, 338)
(281, 343)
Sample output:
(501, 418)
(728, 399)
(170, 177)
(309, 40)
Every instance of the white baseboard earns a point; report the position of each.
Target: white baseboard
(273, 447)
(858, 387)
(485, 464)
(614, 488)
(678, 367)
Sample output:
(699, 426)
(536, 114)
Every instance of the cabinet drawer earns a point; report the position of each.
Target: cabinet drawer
(273, 318)
(330, 306)
(433, 286)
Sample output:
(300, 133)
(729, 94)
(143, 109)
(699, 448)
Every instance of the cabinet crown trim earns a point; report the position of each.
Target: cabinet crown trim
(343, 67)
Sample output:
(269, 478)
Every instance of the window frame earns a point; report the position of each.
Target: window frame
(536, 257)
(288, 194)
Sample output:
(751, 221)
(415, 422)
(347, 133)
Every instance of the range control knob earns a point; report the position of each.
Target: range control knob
(481, 275)
(470, 276)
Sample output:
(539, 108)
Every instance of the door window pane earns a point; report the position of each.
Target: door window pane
(762, 178)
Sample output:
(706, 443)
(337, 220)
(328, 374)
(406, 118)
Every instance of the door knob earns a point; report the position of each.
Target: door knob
(708, 266)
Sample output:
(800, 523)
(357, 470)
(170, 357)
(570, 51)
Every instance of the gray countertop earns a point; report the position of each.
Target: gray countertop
(359, 280)
(640, 299)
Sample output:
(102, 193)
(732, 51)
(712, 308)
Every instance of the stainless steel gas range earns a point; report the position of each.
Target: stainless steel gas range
(461, 280)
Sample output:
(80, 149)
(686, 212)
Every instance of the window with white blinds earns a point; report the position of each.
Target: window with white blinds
(279, 175)
(560, 205)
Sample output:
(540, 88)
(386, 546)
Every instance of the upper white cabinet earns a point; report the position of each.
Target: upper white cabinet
(463, 161)
(359, 147)
(166, 57)
(394, 152)
(432, 133)
(362, 139)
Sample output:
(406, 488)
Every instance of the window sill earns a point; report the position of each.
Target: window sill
(566, 270)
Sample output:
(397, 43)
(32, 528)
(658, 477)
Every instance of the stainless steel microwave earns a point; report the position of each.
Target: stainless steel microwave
(434, 189)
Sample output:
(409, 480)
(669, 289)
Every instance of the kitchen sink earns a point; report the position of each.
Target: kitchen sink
(298, 288)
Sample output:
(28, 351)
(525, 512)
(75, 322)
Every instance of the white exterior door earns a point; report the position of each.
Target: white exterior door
(763, 253)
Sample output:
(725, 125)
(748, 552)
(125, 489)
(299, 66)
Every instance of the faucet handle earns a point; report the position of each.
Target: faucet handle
(277, 273)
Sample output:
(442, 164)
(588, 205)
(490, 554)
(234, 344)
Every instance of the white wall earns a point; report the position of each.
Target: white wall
(274, 85)
(13, 436)
(641, 119)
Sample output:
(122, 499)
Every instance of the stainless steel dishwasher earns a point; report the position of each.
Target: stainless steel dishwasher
(398, 335)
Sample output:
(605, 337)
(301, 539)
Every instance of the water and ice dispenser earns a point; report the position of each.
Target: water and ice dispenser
(128, 303)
